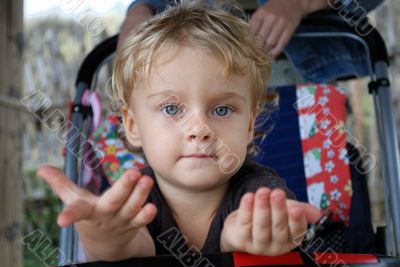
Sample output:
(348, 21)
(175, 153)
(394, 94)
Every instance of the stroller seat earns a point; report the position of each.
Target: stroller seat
(359, 192)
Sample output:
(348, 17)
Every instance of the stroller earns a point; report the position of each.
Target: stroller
(83, 114)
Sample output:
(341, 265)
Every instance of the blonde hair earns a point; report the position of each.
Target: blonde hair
(211, 25)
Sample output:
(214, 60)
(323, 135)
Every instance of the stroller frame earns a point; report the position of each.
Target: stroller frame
(379, 87)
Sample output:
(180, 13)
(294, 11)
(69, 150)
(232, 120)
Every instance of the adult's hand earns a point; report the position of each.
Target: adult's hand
(275, 21)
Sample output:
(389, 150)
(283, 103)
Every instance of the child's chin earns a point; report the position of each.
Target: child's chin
(198, 179)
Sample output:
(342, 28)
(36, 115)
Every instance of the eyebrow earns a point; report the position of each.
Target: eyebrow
(164, 93)
(172, 93)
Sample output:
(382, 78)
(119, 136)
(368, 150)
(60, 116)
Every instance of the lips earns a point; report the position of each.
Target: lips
(198, 156)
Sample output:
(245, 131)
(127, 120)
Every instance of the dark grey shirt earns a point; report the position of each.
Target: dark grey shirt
(164, 230)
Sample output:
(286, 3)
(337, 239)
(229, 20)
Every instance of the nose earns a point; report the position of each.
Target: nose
(196, 129)
(199, 137)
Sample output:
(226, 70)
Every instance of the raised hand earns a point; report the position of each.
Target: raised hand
(267, 223)
(111, 227)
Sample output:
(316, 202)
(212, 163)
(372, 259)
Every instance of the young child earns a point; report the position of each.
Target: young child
(191, 82)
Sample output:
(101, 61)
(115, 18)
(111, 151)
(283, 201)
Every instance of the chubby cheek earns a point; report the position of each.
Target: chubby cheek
(234, 137)
(160, 139)
(239, 144)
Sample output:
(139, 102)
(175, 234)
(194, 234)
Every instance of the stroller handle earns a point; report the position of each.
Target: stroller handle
(93, 60)
(360, 27)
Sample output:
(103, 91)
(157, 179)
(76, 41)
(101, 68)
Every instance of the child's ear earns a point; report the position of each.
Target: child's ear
(252, 121)
(130, 127)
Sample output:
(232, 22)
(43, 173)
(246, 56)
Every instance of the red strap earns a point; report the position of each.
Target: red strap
(244, 259)
(294, 258)
(342, 258)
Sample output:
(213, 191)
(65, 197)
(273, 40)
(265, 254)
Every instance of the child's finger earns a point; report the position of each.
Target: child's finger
(312, 213)
(75, 211)
(144, 216)
(280, 230)
(245, 215)
(261, 231)
(60, 184)
(297, 225)
(112, 200)
(245, 212)
(137, 198)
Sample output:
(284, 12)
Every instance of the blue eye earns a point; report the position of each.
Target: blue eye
(171, 109)
(222, 110)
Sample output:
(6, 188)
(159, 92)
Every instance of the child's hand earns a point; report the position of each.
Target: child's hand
(113, 226)
(266, 223)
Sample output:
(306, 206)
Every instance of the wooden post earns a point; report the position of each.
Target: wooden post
(11, 40)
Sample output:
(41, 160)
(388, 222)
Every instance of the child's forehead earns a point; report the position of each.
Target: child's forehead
(178, 61)
(168, 52)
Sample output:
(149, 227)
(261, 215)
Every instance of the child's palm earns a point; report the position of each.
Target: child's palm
(266, 223)
(107, 224)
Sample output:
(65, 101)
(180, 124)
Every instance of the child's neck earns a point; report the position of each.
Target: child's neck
(193, 211)
(187, 204)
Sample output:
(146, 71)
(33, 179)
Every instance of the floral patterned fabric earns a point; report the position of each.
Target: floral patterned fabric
(322, 115)
(117, 158)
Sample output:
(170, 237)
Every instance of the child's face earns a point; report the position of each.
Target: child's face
(191, 86)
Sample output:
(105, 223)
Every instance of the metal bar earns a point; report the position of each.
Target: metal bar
(390, 147)
(389, 240)
(69, 239)
(67, 235)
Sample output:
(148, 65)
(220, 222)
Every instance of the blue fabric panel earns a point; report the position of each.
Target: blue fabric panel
(282, 150)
